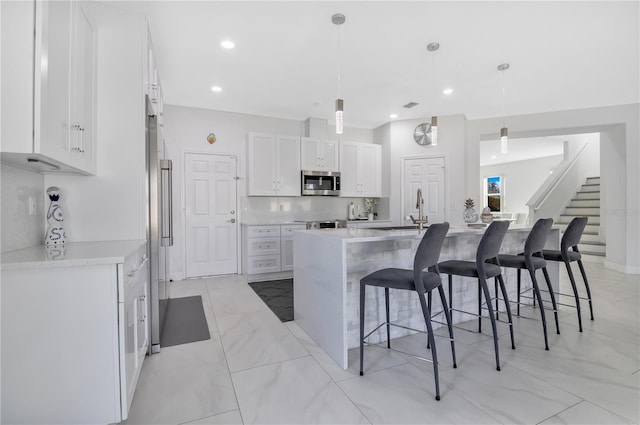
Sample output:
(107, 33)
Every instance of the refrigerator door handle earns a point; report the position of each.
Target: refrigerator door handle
(166, 168)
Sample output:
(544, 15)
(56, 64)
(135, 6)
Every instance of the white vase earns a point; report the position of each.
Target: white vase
(470, 215)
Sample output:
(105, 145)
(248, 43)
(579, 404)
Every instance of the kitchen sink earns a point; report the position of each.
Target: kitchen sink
(398, 228)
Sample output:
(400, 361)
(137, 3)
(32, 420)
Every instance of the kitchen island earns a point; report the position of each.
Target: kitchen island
(328, 266)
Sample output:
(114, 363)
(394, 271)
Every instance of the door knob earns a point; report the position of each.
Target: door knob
(233, 211)
(233, 220)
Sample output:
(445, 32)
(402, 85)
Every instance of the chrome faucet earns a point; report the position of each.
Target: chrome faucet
(422, 219)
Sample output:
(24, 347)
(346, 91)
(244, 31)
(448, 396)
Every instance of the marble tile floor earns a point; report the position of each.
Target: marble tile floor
(257, 370)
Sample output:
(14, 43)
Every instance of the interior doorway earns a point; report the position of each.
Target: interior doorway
(427, 174)
(211, 225)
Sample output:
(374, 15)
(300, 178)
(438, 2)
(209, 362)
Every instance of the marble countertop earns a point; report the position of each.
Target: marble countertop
(272, 222)
(71, 255)
(373, 234)
(285, 222)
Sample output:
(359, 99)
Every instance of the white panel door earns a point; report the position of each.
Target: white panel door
(211, 219)
(426, 174)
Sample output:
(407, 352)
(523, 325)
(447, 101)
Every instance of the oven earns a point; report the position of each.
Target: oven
(326, 224)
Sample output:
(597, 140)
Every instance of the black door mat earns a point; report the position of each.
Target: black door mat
(184, 321)
(277, 295)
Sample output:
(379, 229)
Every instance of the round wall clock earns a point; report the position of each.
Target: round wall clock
(422, 134)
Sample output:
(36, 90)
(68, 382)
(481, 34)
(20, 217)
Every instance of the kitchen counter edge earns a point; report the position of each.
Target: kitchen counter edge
(72, 255)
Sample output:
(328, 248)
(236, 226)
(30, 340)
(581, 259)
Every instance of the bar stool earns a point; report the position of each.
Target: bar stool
(417, 280)
(488, 249)
(570, 239)
(531, 260)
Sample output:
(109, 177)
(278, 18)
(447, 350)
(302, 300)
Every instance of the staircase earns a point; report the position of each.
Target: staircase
(587, 203)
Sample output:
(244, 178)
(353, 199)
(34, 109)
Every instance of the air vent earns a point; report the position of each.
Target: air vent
(410, 105)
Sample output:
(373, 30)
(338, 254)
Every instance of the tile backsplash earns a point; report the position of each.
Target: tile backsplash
(307, 208)
(18, 188)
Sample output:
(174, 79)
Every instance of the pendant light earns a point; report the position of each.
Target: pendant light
(504, 131)
(338, 19)
(432, 47)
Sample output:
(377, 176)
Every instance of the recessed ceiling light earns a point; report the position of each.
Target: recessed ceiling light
(216, 89)
(393, 116)
(493, 157)
(447, 91)
(228, 44)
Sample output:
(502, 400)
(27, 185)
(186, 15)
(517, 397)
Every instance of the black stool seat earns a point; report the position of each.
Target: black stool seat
(401, 279)
(518, 262)
(553, 255)
(421, 279)
(467, 268)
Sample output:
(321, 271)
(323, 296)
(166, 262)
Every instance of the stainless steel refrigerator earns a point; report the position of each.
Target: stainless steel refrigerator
(159, 225)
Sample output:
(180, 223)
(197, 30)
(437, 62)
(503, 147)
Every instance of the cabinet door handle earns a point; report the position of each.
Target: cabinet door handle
(75, 128)
(81, 146)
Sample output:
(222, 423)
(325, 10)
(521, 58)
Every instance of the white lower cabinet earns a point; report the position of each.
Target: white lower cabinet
(73, 340)
(135, 335)
(267, 251)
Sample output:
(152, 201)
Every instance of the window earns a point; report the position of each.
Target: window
(494, 193)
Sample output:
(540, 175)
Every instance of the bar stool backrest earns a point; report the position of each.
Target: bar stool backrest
(489, 245)
(428, 252)
(572, 235)
(537, 237)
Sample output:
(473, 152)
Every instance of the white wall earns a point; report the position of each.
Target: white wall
(19, 229)
(520, 181)
(186, 130)
(581, 160)
(397, 143)
(619, 129)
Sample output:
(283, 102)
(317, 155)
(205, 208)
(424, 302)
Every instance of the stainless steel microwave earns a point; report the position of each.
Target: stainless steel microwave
(320, 183)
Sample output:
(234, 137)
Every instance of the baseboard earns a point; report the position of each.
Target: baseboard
(622, 268)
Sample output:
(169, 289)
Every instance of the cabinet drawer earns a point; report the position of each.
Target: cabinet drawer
(288, 229)
(263, 264)
(263, 246)
(262, 231)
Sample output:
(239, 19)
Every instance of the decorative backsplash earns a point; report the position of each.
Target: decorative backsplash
(19, 188)
(300, 208)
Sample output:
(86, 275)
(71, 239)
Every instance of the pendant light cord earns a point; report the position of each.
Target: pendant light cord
(339, 62)
(504, 101)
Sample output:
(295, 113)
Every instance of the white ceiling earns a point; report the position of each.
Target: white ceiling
(520, 149)
(563, 55)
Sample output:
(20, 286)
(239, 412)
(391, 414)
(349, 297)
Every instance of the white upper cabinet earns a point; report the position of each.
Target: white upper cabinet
(82, 91)
(55, 73)
(360, 170)
(319, 155)
(273, 166)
